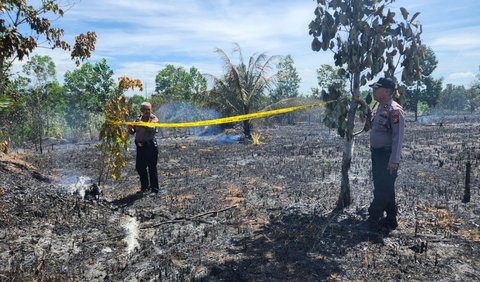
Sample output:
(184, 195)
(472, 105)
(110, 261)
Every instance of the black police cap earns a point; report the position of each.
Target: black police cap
(384, 82)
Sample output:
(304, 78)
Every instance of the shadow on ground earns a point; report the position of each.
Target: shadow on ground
(128, 200)
(293, 247)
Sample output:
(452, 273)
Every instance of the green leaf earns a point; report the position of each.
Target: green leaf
(5, 102)
(316, 44)
(344, 19)
(332, 44)
(325, 45)
(414, 16)
(404, 13)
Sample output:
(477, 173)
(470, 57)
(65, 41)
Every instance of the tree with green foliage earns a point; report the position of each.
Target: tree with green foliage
(473, 95)
(5, 100)
(472, 101)
(241, 88)
(328, 75)
(15, 119)
(134, 103)
(366, 39)
(4, 103)
(426, 89)
(177, 84)
(287, 81)
(431, 92)
(26, 25)
(55, 123)
(87, 89)
(315, 93)
(453, 98)
(40, 72)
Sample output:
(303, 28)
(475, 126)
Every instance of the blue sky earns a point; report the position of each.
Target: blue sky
(138, 38)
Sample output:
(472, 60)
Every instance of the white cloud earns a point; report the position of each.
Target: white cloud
(461, 76)
(456, 41)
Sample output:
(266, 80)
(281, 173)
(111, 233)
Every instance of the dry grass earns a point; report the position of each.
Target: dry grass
(4, 142)
(471, 235)
(185, 198)
(234, 195)
(445, 220)
(256, 138)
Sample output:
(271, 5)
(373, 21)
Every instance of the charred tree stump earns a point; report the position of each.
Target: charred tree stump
(466, 194)
(247, 129)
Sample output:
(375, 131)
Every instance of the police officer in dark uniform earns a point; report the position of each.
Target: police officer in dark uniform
(386, 138)
(147, 151)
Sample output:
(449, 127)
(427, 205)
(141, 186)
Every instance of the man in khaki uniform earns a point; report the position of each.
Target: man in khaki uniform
(147, 151)
(386, 138)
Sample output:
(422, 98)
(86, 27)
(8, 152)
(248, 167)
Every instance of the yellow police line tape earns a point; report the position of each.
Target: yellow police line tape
(238, 118)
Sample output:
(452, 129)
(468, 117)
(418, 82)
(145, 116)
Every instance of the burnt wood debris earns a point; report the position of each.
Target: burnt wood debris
(240, 212)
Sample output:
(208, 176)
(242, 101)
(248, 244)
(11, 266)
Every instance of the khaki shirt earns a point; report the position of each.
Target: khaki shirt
(144, 133)
(388, 127)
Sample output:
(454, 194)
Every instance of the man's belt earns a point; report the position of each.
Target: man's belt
(381, 149)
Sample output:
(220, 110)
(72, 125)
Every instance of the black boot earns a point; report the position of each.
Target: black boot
(389, 222)
(371, 224)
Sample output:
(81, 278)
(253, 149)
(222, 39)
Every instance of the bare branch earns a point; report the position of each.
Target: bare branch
(189, 218)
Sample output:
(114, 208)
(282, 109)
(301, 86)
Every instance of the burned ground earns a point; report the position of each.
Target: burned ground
(240, 212)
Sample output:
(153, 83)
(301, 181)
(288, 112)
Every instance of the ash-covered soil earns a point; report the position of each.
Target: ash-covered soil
(243, 212)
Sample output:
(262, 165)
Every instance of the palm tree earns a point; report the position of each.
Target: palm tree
(241, 87)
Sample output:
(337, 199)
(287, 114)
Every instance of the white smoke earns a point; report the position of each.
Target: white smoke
(130, 224)
(79, 187)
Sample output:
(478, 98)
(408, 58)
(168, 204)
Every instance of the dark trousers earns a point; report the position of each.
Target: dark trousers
(147, 157)
(384, 186)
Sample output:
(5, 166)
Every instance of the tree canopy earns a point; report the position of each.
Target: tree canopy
(177, 84)
(287, 81)
(426, 89)
(328, 75)
(87, 89)
(473, 95)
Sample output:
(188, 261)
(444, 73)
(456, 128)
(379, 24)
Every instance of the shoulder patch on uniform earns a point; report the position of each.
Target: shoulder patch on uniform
(395, 116)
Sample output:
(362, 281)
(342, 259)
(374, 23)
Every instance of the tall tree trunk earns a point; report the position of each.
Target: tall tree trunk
(466, 193)
(40, 135)
(417, 99)
(2, 75)
(345, 198)
(247, 129)
(40, 125)
(416, 110)
(247, 126)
